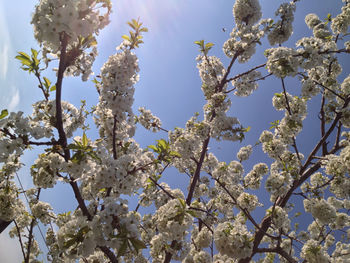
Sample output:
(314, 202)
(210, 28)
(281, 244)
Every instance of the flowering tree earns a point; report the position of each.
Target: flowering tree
(213, 220)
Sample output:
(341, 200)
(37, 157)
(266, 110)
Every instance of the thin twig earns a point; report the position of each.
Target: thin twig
(30, 234)
(20, 239)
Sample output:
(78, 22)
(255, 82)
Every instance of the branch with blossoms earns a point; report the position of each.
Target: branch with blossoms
(217, 217)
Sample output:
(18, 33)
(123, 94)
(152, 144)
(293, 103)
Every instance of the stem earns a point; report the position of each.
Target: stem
(109, 254)
(30, 235)
(113, 138)
(247, 72)
(20, 239)
(62, 135)
(59, 122)
(323, 125)
(41, 86)
(197, 172)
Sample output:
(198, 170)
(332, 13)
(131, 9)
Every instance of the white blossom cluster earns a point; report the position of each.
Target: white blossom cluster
(282, 61)
(188, 145)
(244, 153)
(253, 179)
(114, 115)
(233, 240)
(9, 203)
(45, 113)
(341, 22)
(243, 40)
(246, 84)
(280, 218)
(148, 120)
(80, 18)
(172, 221)
(248, 201)
(314, 252)
(222, 126)
(283, 28)
(42, 211)
(82, 65)
(246, 12)
(24, 128)
(120, 174)
(45, 170)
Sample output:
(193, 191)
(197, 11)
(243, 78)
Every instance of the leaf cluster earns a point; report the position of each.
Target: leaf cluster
(204, 48)
(135, 37)
(81, 150)
(163, 150)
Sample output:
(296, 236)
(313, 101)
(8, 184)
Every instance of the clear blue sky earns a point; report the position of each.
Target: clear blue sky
(169, 83)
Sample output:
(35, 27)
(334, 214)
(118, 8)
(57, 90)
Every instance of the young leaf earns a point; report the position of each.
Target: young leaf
(126, 37)
(122, 249)
(47, 83)
(208, 45)
(34, 53)
(144, 29)
(85, 140)
(3, 114)
(24, 58)
(153, 147)
(137, 244)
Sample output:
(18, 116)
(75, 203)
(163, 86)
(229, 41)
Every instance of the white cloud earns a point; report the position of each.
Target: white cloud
(5, 44)
(4, 60)
(15, 98)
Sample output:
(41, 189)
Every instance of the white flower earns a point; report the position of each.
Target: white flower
(233, 240)
(244, 153)
(313, 252)
(246, 12)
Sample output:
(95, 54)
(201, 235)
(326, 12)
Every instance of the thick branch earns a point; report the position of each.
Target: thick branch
(59, 122)
(109, 254)
(197, 172)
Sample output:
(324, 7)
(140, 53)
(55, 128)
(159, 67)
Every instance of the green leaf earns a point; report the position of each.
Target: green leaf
(83, 231)
(47, 83)
(200, 43)
(24, 60)
(131, 25)
(85, 140)
(69, 242)
(153, 147)
(53, 88)
(297, 214)
(192, 213)
(175, 154)
(247, 129)
(73, 146)
(144, 29)
(137, 244)
(34, 53)
(209, 45)
(25, 55)
(162, 144)
(3, 114)
(274, 124)
(182, 202)
(126, 37)
(122, 249)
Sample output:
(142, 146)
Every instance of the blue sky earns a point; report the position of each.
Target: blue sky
(169, 83)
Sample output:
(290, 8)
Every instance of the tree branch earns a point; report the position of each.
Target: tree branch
(30, 235)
